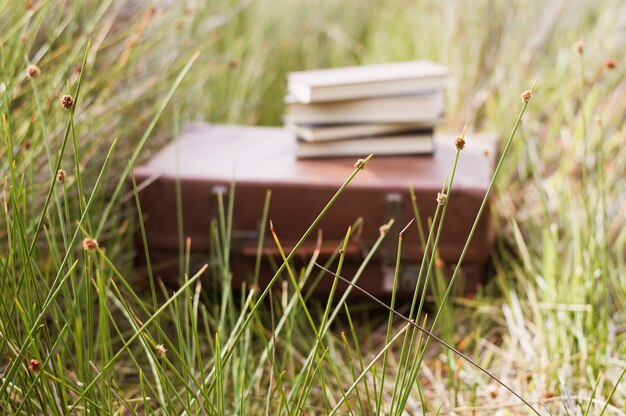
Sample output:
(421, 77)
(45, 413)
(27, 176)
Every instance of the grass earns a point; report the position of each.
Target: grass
(78, 336)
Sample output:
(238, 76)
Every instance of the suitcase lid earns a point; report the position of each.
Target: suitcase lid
(266, 155)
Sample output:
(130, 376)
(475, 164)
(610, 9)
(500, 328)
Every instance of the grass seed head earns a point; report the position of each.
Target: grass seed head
(67, 102)
(610, 63)
(61, 175)
(33, 71)
(90, 244)
(598, 120)
(160, 350)
(359, 163)
(459, 143)
(526, 95)
(441, 198)
(34, 365)
(580, 46)
(439, 263)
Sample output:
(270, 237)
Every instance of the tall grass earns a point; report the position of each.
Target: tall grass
(79, 335)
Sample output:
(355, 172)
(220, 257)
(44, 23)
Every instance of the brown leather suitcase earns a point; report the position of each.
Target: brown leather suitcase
(208, 158)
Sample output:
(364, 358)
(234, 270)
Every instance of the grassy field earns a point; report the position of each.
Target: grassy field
(77, 336)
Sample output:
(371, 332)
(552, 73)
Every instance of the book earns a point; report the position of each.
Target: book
(321, 132)
(423, 109)
(402, 144)
(365, 81)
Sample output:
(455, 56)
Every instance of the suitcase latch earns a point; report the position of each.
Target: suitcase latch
(393, 209)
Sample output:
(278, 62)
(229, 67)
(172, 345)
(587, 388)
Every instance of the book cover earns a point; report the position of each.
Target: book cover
(423, 108)
(323, 132)
(366, 81)
(403, 144)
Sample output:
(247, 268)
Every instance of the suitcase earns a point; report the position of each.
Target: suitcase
(206, 159)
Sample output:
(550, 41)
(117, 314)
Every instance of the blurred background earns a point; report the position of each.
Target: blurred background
(494, 50)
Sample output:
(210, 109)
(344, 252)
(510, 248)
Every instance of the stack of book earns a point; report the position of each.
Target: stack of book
(385, 109)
